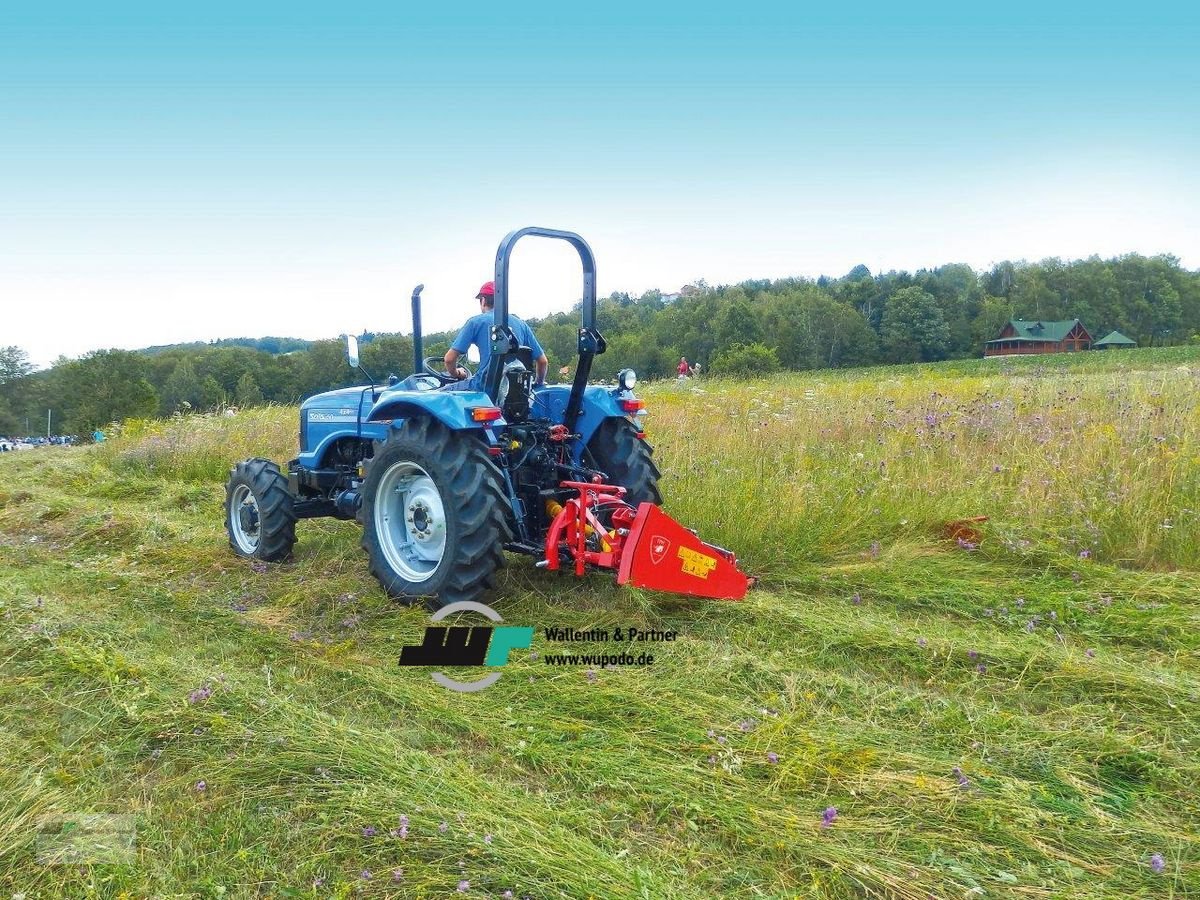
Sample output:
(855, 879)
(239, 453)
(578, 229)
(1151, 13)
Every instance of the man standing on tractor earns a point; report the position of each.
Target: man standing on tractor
(478, 331)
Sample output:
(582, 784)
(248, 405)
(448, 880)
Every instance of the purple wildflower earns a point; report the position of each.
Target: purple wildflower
(403, 821)
(507, 895)
(973, 654)
(922, 643)
(1020, 601)
(1158, 864)
(442, 828)
(856, 599)
(746, 725)
(397, 874)
(875, 548)
(712, 760)
(202, 786)
(997, 468)
(365, 875)
(591, 675)
(828, 816)
(1031, 626)
(720, 739)
(487, 838)
(1089, 653)
(1085, 554)
(772, 757)
(981, 669)
(963, 781)
(464, 886)
(965, 544)
(369, 831)
(199, 695)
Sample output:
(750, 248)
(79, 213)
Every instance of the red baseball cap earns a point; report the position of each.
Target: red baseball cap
(488, 290)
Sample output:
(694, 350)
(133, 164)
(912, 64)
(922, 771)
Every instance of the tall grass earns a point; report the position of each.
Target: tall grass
(1014, 717)
(200, 447)
(1101, 466)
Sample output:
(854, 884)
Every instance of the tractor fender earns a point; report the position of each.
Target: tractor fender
(451, 408)
(599, 403)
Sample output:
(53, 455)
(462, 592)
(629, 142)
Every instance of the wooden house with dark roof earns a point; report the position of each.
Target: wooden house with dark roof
(1021, 336)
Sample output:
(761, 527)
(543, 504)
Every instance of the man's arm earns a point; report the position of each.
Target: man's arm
(452, 366)
(466, 337)
(539, 356)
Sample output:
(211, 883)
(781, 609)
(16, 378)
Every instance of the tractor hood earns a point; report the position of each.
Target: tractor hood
(340, 406)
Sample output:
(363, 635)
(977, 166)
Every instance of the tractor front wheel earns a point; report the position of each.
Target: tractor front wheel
(619, 452)
(259, 515)
(434, 515)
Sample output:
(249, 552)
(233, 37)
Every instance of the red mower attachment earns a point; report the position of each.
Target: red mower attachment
(647, 548)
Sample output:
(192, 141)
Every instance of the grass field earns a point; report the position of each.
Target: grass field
(897, 710)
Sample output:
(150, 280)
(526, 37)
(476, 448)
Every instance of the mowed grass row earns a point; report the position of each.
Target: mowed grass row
(1009, 715)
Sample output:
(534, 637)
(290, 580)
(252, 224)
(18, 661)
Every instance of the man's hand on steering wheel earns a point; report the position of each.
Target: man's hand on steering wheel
(434, 365)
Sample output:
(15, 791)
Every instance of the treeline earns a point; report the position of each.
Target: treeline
(269, 344)
(753, 327)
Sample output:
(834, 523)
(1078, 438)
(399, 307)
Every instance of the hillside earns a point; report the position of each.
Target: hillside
(754, 328)
(900, 708)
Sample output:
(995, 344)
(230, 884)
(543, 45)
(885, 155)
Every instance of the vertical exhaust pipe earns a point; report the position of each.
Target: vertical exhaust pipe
(418, 348)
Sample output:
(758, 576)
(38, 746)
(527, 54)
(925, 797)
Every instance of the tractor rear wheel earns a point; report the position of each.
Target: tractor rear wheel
(618, 452)
(259, 515)
(434, 515)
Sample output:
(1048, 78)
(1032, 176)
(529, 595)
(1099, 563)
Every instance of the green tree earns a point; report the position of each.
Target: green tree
(105, 386)
(736, 323)
(182, 389)
(913, 328)
(745, 360)
(248, 392)
(212, 394)
(14, 363)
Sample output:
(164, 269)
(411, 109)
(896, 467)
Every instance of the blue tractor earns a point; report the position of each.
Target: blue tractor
(444, 483)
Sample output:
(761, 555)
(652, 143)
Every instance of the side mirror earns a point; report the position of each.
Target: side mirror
(352, 351)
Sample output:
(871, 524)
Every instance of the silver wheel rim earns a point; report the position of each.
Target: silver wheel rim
(242, 504)
(410, 521)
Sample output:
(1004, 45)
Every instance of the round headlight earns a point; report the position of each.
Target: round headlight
(627, 379)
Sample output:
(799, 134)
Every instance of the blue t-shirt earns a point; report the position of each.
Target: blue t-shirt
(478, 331)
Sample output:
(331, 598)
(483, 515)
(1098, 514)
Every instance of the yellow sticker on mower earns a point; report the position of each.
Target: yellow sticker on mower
(697, 564)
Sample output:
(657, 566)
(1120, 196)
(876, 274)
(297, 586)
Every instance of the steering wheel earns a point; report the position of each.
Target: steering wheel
(434, 365)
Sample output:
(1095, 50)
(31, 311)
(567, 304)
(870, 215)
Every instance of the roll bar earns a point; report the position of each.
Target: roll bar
(504, 341)
(586, 256)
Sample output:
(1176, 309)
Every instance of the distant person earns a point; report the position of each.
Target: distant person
(696, 370)
(98, 436)
(478, 332)
(683, 369)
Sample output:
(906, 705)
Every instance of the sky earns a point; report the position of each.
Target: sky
(176, 172)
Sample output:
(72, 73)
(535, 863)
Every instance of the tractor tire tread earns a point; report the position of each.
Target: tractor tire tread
(627, 460)
(473, 489)
(277, 514)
